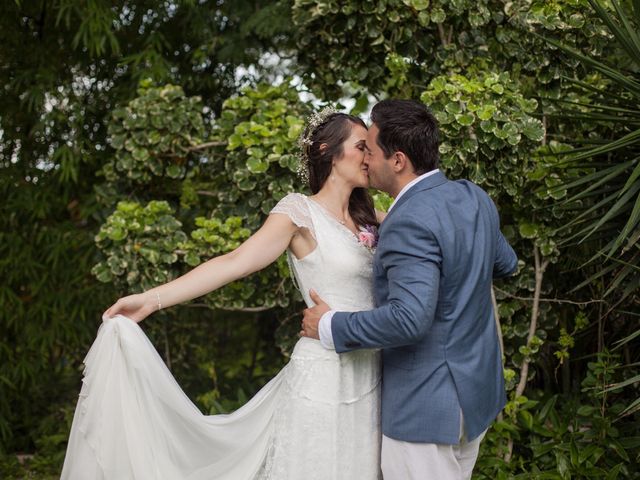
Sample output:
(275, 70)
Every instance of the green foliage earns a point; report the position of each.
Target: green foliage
(555, 437)
(487, 126)
(607, 202)
(154, 134)
(261, 137)
(131, 129)
(50, 306)
(403, 45)
(487, 78)
(247, 167)
(403, 37)
(262, 127)
(139, 245)
(67, 65)
(566, 340)
(213, 238)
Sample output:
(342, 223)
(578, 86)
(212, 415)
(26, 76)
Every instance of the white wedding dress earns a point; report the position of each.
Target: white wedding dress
(317, 419)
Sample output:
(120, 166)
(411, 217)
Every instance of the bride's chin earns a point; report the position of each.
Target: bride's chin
(362, 182)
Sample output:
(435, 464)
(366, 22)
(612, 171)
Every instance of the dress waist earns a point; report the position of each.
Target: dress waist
(322, 375)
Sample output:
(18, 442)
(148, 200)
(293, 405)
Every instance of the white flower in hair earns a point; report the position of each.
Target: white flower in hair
(304, 141)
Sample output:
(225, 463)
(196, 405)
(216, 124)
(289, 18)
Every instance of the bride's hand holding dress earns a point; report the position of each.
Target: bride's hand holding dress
(136, 307)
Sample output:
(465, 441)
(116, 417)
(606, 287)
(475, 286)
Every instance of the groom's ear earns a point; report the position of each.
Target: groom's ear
(400, 162)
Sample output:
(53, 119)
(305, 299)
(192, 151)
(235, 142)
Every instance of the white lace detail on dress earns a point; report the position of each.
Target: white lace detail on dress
(295, 207)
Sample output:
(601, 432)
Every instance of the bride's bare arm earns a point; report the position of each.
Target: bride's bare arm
(258, 251)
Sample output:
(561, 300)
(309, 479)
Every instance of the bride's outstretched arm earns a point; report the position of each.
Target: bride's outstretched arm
(260, 250)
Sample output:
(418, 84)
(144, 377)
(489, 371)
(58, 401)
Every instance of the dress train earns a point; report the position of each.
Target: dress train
(129, 394)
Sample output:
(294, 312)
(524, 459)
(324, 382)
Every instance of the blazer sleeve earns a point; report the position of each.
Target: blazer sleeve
(505, 261)
(411, 258)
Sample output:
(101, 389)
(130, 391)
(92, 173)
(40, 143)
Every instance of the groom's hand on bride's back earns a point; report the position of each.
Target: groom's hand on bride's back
(313, 315)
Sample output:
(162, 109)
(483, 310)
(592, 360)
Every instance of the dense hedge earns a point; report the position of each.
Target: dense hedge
(142, 144)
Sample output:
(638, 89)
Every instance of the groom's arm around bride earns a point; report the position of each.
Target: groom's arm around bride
(439, 248)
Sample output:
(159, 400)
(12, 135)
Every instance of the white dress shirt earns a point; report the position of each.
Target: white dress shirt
(324, 327)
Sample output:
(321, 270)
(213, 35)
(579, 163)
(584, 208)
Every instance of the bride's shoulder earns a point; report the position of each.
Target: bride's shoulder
(295, 206)
(296, 195)
(293, 199)
(292, 202)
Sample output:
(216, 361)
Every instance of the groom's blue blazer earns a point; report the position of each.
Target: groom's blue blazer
(440, 246)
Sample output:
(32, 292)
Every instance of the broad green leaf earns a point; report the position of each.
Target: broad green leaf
(419, 4)
(257, 165)
(528, 230)
(534, 130)
(465, 119)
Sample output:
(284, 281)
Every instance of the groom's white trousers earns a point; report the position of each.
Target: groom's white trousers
(429, 461)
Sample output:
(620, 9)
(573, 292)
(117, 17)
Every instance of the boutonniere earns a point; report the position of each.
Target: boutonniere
(368, 236)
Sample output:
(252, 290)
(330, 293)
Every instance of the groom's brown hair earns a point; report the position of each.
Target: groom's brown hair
(409, 127)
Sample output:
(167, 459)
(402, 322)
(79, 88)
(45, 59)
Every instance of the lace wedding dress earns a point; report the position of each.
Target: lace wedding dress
(317, 419)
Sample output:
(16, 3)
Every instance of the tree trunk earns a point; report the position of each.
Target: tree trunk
(540, 267)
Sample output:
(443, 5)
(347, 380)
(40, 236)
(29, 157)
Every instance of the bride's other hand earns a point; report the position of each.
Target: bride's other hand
(136, 307)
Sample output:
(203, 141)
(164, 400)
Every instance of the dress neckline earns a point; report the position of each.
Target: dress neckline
(327, 213)
(350, 236)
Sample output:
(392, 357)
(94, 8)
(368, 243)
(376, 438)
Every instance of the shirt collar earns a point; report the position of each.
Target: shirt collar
(411, 184)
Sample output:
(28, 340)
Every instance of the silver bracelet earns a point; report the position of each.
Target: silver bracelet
(159, 304)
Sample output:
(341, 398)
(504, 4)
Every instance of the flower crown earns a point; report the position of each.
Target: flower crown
(305, 142)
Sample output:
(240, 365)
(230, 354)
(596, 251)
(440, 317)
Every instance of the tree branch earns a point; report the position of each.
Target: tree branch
(229, 309)
(540, 267)
(206, 193)
(204, 146)
(443, 36)
(496, 315)
(195, 148)
(547, 300)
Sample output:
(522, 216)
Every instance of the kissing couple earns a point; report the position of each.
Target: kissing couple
(398, 371)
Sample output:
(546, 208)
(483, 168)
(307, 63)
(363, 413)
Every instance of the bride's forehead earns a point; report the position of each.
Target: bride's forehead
(358, 131)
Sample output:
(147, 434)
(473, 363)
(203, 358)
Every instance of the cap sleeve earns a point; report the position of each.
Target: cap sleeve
(296, 208)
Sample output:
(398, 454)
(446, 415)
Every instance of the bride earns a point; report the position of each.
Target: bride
(317, 419)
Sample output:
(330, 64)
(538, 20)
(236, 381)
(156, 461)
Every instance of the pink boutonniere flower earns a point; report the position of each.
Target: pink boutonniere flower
(368, 237)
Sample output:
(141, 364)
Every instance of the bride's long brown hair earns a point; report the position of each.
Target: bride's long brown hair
(333, 132)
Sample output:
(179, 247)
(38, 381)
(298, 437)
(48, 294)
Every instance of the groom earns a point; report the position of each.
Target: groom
(439, 248)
